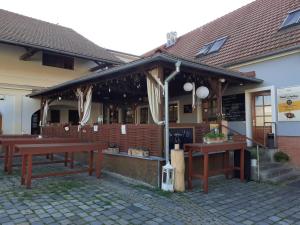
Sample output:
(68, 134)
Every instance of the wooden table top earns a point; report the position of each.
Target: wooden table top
(215, 147)
(57, 147)
(8, 141)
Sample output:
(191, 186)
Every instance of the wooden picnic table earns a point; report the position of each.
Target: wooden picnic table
(206, 150)
(9, 148)
(28, 151)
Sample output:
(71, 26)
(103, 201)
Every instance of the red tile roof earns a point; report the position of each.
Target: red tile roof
(252, 31)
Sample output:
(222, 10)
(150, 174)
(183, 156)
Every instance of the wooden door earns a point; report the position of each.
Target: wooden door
(261, 115)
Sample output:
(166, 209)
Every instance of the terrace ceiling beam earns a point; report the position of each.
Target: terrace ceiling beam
(28, 54)
(99, 66)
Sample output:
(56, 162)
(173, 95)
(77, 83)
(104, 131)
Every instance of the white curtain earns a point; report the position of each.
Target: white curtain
(84, 107)
(79, 95)
(45, 113)
(154, 93)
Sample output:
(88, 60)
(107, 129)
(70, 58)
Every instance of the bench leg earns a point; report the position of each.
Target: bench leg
(66, 158)
(24, 165)
(190, 170)
(242, 164)
(205, 175)
(226, 164)
(51, 156)
(47, 156)
(99, 163)
(5, 159)
(91, 162)
(10, 159)
(29, 172)
(72, 160)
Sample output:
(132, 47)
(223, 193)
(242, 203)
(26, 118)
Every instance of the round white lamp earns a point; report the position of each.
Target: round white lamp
(202, 92)
(188, 86)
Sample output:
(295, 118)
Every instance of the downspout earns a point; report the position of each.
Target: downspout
(166, 90)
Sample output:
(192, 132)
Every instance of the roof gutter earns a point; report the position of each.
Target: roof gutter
(60, 51)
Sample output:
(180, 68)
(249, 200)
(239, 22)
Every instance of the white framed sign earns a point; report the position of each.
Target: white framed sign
(288, 103)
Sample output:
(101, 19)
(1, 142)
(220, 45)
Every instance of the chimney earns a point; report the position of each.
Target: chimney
(171, 38)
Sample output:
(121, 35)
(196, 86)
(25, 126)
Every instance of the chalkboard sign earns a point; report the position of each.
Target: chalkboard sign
(233, 107)
(181, 136)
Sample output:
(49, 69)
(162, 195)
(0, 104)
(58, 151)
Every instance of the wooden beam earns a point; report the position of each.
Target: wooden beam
(99, 66)
(28, 54)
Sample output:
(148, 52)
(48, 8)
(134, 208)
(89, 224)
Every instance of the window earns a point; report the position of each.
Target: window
(173, 113)
(292, 18)
(73, 117)
(144, 115)
(59, 61)
(55, 116)
(212, 47)
(128, 115)
(217, 45)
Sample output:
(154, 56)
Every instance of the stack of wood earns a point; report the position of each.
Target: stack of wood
(138, 151)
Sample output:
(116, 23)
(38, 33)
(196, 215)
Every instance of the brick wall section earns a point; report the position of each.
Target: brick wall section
(291, 146)
(146, 135)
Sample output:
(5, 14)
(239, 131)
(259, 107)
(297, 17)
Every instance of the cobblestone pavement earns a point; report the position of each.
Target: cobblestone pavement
(80, 199)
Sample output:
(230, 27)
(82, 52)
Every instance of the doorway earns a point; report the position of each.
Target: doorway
(35, 120)
(261, 116)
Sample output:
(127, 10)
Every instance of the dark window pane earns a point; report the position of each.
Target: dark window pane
(73, 117)
(292, 18)
(173, 113)
(55, 116)
(204, 49)
(58, 61)
(144, 115)
(217, 45)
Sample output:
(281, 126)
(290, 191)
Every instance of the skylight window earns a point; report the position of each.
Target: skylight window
(212, 47)
(217, 45)
(292, 18)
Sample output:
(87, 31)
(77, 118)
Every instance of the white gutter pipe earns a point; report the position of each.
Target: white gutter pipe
(166, 90)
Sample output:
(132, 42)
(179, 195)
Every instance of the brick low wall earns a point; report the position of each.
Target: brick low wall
(291, 146)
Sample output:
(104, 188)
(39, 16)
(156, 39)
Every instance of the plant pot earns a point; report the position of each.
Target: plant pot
(254, 162)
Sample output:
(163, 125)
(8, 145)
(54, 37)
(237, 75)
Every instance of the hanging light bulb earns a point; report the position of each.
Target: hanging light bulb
(124, 95)
(109, 90)
(188, 86)
(202, 92)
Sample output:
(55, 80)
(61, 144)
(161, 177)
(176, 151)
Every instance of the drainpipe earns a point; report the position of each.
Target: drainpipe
(166, 90)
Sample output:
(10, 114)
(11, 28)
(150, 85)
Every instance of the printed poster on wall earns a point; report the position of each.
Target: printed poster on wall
(288, 100)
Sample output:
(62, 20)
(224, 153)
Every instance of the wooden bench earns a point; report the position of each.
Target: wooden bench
(28, 151)
(9, 147)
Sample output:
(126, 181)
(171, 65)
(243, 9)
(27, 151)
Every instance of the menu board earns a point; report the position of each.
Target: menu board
(233, 107)
(288, 100)
(181, 136)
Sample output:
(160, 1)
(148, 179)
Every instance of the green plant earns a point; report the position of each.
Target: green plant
(281, 157)
(212, 135)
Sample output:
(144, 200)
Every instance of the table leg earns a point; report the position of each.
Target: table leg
(5, 159)
(66, 158)
(99, 163)
(242, 166)
(205, 173)
(24, 165)
(51, 156)
(91, 162)
(29, 171)
(10, 159)
(72, 160)
(226, 164)
(190, 170)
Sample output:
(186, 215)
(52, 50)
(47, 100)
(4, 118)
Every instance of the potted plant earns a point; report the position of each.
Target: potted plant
(281, 157)
(214, 138)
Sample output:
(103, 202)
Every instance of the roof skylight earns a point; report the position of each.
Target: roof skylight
(212, 47)
(292, 18)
